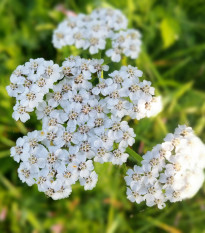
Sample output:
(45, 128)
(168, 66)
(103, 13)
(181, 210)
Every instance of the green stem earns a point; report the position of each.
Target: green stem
(134, 155)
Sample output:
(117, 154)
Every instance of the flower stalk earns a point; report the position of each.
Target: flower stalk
(134, 155)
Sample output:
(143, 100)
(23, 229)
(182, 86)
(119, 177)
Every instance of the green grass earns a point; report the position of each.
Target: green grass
(173, 58)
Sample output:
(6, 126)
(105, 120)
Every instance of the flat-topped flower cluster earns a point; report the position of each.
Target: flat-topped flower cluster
(81, 120)
(82, 106)
(93, 31)
(172, 171)
(29, 83)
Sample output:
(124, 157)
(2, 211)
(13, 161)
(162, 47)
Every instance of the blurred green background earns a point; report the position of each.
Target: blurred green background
(173, 58)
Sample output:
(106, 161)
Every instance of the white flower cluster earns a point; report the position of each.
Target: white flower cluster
(52, 168)
(172, 171)
(121, 94)
(129, 96)
(93, 31)
(127, 42)
(29, 84)
(81, 123)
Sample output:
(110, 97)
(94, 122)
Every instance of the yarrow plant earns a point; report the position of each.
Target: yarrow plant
(171, 171)
(82, 108)
(81, 122)
(94, 31)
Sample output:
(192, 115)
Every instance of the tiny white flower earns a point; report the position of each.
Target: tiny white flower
(128, 136)
(103, 87)
(114, 54)
(116, 131)
(95, 43)
(69, 176)
(20, 150)
(89, 182)
(134, 177)
(26, 174)
(102, 154)
(43, 110)
(118, 157)
(63, 192)
(134, 196)
(103, 140)
(132, 71)
(83, 166)
(30, 98)
(15, 89)
(21, 112)
(50, 70)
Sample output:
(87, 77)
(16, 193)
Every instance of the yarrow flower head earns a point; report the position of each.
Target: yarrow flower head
(93, 31)
(29, 83)
(81, 122)
(172, 171)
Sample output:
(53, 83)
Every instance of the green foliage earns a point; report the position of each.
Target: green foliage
(172, 58)
(169, 30)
